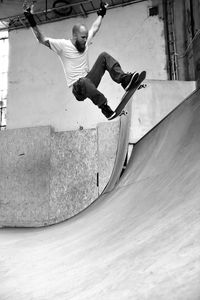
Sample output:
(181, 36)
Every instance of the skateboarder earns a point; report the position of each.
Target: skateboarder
(73, 53)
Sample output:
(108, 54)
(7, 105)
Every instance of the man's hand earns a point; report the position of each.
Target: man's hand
(28, 12)
(28, 6)
(102, 10)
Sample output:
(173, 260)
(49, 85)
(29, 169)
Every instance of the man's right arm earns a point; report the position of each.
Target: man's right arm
(40, 37)
(28, 13)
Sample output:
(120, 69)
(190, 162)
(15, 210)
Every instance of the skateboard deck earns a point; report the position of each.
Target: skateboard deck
(128, 94)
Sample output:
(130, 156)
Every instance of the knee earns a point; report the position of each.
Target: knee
(103, 54)
(83, 83)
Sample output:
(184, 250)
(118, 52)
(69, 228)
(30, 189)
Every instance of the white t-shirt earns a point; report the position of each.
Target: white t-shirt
(75, 64)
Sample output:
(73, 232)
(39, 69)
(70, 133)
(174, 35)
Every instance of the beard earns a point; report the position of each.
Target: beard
(80, 47)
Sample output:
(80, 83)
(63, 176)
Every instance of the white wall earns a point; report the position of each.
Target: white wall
(155, 102)
(38, 94)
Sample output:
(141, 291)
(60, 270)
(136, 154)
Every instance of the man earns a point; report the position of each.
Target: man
(74, 57)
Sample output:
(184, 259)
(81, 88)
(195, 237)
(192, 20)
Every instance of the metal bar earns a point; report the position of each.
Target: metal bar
(1, 114)
(21, 21)
(92, 5)
(36, 15)
(83, 9)
(46, 10)
(52, 19)
(78, 3)
(65, 6)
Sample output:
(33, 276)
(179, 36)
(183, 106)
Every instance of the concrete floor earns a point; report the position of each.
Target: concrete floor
(140, 241)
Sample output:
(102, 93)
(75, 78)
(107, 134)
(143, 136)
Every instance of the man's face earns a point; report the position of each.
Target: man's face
(80, 39)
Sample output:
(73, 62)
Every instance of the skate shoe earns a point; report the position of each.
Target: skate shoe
(106, 110)
(128, 79)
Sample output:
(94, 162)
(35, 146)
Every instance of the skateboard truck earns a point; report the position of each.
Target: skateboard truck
(124, 113)
(142, 86)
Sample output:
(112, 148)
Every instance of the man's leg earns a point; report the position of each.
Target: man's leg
(105, 62)
(85, 88)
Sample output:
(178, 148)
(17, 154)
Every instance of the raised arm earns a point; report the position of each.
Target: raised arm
(28, 12)
(40, 37)
(97, 23)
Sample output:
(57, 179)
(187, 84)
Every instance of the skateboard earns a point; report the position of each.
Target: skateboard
(127, 96)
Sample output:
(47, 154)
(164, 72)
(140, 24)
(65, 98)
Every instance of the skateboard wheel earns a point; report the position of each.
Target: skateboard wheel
(124, 113)
(142, 86)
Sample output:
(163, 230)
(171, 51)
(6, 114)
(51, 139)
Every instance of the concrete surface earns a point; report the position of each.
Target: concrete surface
(24, 176)
(140, 241)
(74, 167)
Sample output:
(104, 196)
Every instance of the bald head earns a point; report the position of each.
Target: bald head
(80, 35)
(79, 28)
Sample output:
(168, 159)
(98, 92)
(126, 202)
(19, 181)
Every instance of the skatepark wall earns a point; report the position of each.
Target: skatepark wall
(47, 177)
(37, 91)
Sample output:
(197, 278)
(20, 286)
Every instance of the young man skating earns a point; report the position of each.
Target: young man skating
(73, 53)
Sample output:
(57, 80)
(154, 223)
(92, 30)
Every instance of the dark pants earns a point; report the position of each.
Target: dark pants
(86, 87)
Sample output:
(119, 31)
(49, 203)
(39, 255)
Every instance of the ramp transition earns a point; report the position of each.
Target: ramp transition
(139, 241)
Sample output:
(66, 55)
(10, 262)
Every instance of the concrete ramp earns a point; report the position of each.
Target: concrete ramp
(141, 241)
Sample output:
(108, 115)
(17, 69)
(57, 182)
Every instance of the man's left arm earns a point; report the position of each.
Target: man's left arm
(97, 23)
